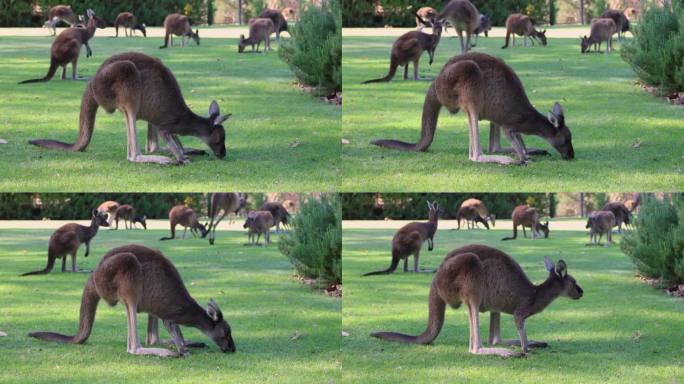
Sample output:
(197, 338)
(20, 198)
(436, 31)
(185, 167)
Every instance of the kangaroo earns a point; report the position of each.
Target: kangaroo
(129, 22)
(259, 30)
(185, 216)
(258, 223)
(422, 14)
(621, 21)
(470, 215)
(127, 214)
(487, 279)
(279, 21)
(143, 88)
(409, 240)
(527, 216)
(486, 88)
(228, 203)
(601, 30)
(633, 203)
(179, 25)
(66, 48)
(60, 13)
(463, 16)
(475, 208)
(521, 25)
(144, 280)
(108, 208)
(620, 213)
(67, 239)
(600, 222)
(279, 213)
(483, 26)
(409, 47)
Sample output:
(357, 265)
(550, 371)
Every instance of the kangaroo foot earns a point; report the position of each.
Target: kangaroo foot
(503, 352)
(505, 160)
(188, 344)
(191, 151)
(153, 159)
(155, 352)
(530, 343)
(529, 151)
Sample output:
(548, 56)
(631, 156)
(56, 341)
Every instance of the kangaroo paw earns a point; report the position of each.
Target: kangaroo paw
(503, 352)
(153, 159)
(505, 160)
(155, 352)
(191, 151)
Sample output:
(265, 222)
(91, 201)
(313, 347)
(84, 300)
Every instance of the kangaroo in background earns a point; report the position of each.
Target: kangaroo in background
(185, 216)
(621, 21)
(527, 216)
(600, 222)
(279, 21)
(66, 49)
(279, 213)
(127, 214)
(108, 208)
(601, 30)
(145, 281)
(487, 279)
(129, 22)
(409, 240)
(228, 203)
(259, 30)
(179, 25)
(258, 223)
(474, 211)
(409, 47)
(483, 26)
(144, 89)
(67, 239)
(633, 203)
(486, 88)
(464, 17)
(519, 24)
(60, 13)
(620, 213)
(422, 14)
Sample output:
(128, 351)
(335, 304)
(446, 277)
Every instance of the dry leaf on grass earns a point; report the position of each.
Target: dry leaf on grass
(637, 144)
(295, 143)
(296, 336)
(2, 334)
(345, 334)
(345, 141)
(3, 141)
(637, 336)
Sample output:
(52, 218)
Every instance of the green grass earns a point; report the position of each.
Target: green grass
(269, 114)
(254, 286)
(591, 340)
(605, 110)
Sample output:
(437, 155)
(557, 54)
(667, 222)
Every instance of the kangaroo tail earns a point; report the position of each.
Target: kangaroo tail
(508, 35)
(390, 74)
(515, 234)
(46, 270)
(436, 308)
(392, 268)
(86, 126)
(431, 107)
(48, 77)
(166, 41)
(87, 318)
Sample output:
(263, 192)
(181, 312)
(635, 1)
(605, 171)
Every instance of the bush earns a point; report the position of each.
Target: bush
(314, 52)
(314, 245)
(657, 245)
(656, 53)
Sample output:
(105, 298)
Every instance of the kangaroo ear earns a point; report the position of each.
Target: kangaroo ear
(548, 264)
(144, 217)
(94, 212)
(561, 269)
(220, 119)
(213, 311)
(556, 116)
(197, 32)
(213, 109)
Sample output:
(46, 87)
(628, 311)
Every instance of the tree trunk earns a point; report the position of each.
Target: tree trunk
(582, 14)
(239, 11)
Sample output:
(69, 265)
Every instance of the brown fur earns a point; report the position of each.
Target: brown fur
(633, 203)
(527, 217)
(422, 14)
(464, 17)
(621, 213)
(487, 279)
(109, 207)
(601, 30)
(600, 223)
(279, 213)
(258, 223)
(521, 25)
(620, 19)
(279, 21)
(60, 13)
(259, 30)
(186, 217)
(127, 214)
(179, 25)
(129, 22)
(228, 203)
(474, 211)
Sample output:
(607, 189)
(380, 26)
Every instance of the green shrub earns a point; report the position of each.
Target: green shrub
(657, 245)
(314, 52)
(656, 53)
(314, 245)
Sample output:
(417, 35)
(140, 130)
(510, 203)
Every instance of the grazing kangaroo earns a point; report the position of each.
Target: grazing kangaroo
(486, 88)
(258, 223)
(259, 30)
(473, 211)
(483, 26)
(620, 212)
(600, 222)
(129, 22)
(145, 281)
(409, 240)
(108, 208)
(279, 21)
(601, 30)
(487, 279)
(143, 88)
(279, 213)
(521, 25)
(67, 239)
(60, 13)
(621, 21)
(409, 47)
(185, 216)
(229, 202)
(422, 14)
(179, 25)
(463, 16)
(127, 214)
(66, 49)
(527, 216)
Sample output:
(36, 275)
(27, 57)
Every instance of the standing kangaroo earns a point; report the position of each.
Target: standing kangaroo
(127, 214)
(185, 216)
(66, 49)
(128, 21)
(179, 25)
(486, 88)
(600, 222)
(487, 279)
(422, 14)
(471, 216)
(483, 26)
(601, 30)
(620, 212)
(527, 216)
(258, 223)
(409, 240)
(144, 89)
(279, 21)
(259, 30)
(621, 21)
(108, 208)
(409, 47)
(478, 207)
(279, 213)
(145, 281)
(519, 24)
(67, 239)
(463, 16)
(60, 13)
(228, 203)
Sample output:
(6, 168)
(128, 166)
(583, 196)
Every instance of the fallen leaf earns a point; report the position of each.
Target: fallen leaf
(2, 334)
(295, 143)
(345, 334)
(637, 336)
(345, 141)
(296, 335)
(3, 141)
(637, 143)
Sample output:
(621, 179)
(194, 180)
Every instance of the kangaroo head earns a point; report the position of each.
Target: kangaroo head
(100, 218)
(195, 36)
(541, 35)
(492, 219)
(242, 202)
(241, 44)
(248, 221)
(559, 272)
(544, 228)
(142, 220)
(142, 28)
(202, 229)
(215, 136)
(485, 222)
(590, 220)
(584, 43)
(220, 331)
(434, 210)
(562, 138)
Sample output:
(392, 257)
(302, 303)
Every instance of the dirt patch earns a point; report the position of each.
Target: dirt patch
(332, 290)
(676, 98)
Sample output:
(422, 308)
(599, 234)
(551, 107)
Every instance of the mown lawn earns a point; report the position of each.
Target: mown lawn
(604, 108)
(254, 286)
(269, 112)
(620, 330)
